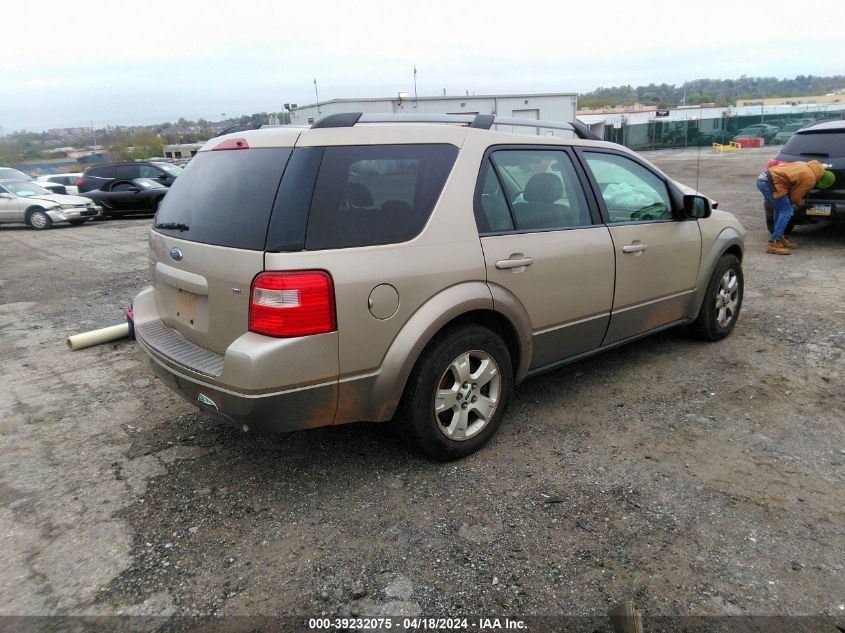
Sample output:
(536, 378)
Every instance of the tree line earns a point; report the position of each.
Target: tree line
(722, 92)
(126, 142)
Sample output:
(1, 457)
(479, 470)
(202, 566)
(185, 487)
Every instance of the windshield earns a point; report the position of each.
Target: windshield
(173, 170)
(14, 174)
(25, 188)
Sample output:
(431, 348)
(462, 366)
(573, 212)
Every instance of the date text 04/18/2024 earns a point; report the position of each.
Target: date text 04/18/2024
(418, 624)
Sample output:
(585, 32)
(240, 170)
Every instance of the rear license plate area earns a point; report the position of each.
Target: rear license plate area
(819, 209)
(186, 306)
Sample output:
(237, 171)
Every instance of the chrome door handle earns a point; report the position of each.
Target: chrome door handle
(514, 263)
(634, 248)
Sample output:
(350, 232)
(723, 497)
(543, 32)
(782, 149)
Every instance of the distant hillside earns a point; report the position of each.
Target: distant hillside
(719, 91)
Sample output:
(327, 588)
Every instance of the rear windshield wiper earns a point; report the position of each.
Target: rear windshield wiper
(819, 154)
(175, 226)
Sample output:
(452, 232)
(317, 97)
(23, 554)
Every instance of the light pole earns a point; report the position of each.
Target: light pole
(317, 94)
(415, 85)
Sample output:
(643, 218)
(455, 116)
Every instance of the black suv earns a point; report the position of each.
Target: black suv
(98, 175)
(824, 142)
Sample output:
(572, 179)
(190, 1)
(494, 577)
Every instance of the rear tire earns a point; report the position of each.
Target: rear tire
(770, 220)
(457, 393)
(789, 227)
(722, 301)
(39, 220)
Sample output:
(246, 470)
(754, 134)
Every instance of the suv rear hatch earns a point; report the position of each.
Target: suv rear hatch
(826, 144)
(208, 241)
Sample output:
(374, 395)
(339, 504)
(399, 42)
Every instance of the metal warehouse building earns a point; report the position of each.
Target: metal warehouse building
(546, 106)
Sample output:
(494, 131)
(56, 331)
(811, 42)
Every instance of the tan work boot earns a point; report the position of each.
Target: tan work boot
(788, 243)
(776, 247)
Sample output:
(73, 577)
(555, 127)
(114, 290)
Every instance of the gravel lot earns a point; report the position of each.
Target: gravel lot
(695, 478)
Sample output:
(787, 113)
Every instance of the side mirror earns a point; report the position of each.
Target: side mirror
(696, 207)
(3, 194)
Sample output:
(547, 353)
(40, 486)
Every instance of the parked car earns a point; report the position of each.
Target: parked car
(353, 271)
(786, 132)
(758, 130)
(68, 181)
(120, 197)
(24, 201)
(96, 176)
(8, 173)
(824, 142)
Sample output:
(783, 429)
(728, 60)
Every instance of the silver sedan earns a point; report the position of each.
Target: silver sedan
(24, 201)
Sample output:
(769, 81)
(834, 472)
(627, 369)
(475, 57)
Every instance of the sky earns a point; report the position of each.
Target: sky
(121, 63)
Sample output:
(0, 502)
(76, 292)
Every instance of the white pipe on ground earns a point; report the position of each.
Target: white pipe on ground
(95, 337)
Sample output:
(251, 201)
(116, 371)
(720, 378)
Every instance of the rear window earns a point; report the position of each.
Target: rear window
(378, 194)
(824, 145)
(225, 198)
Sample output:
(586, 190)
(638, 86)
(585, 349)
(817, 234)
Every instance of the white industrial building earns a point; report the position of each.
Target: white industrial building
(545, 106)
(182, 150)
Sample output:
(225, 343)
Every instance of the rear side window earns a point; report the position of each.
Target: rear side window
(148, 171)
(380, 194)
(819, 145)
(123, 172)
(541, 187)
(225, 198)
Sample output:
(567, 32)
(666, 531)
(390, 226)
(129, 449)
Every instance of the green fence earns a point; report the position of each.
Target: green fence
(663, 134)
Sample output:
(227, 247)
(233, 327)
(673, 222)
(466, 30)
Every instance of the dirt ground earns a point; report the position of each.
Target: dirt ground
(694, 478)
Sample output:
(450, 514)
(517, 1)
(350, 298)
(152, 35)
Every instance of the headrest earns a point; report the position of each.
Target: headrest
(543, 187)
(358, 195)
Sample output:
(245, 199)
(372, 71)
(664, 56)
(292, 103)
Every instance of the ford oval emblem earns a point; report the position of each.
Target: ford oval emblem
(176, 254)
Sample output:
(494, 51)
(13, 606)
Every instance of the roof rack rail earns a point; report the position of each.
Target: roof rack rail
(478, 121)
(240, 128)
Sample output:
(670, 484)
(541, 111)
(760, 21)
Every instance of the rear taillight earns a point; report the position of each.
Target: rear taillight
(775, 163)
(79, 182)
(292, 304)
(232, 143)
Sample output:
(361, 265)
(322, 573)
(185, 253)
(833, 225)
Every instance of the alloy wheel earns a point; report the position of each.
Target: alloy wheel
(727, 298)
(467, 395)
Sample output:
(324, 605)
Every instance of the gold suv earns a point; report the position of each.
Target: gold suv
(374, 265)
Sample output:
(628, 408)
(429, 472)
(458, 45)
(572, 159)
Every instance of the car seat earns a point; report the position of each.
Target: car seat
(539, 210)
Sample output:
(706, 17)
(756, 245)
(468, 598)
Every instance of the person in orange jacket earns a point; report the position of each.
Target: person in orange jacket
(786, 185)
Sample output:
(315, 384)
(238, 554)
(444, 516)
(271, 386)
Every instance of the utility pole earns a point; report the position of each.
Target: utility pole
(94, 133)
(415, 85)
(317, 94)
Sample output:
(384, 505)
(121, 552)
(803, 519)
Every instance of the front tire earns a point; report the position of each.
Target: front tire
(39, 220)
(457, 393)
(722, 301)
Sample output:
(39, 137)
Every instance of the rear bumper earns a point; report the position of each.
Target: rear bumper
(263, 383)
(814, 211)
(282, 412)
